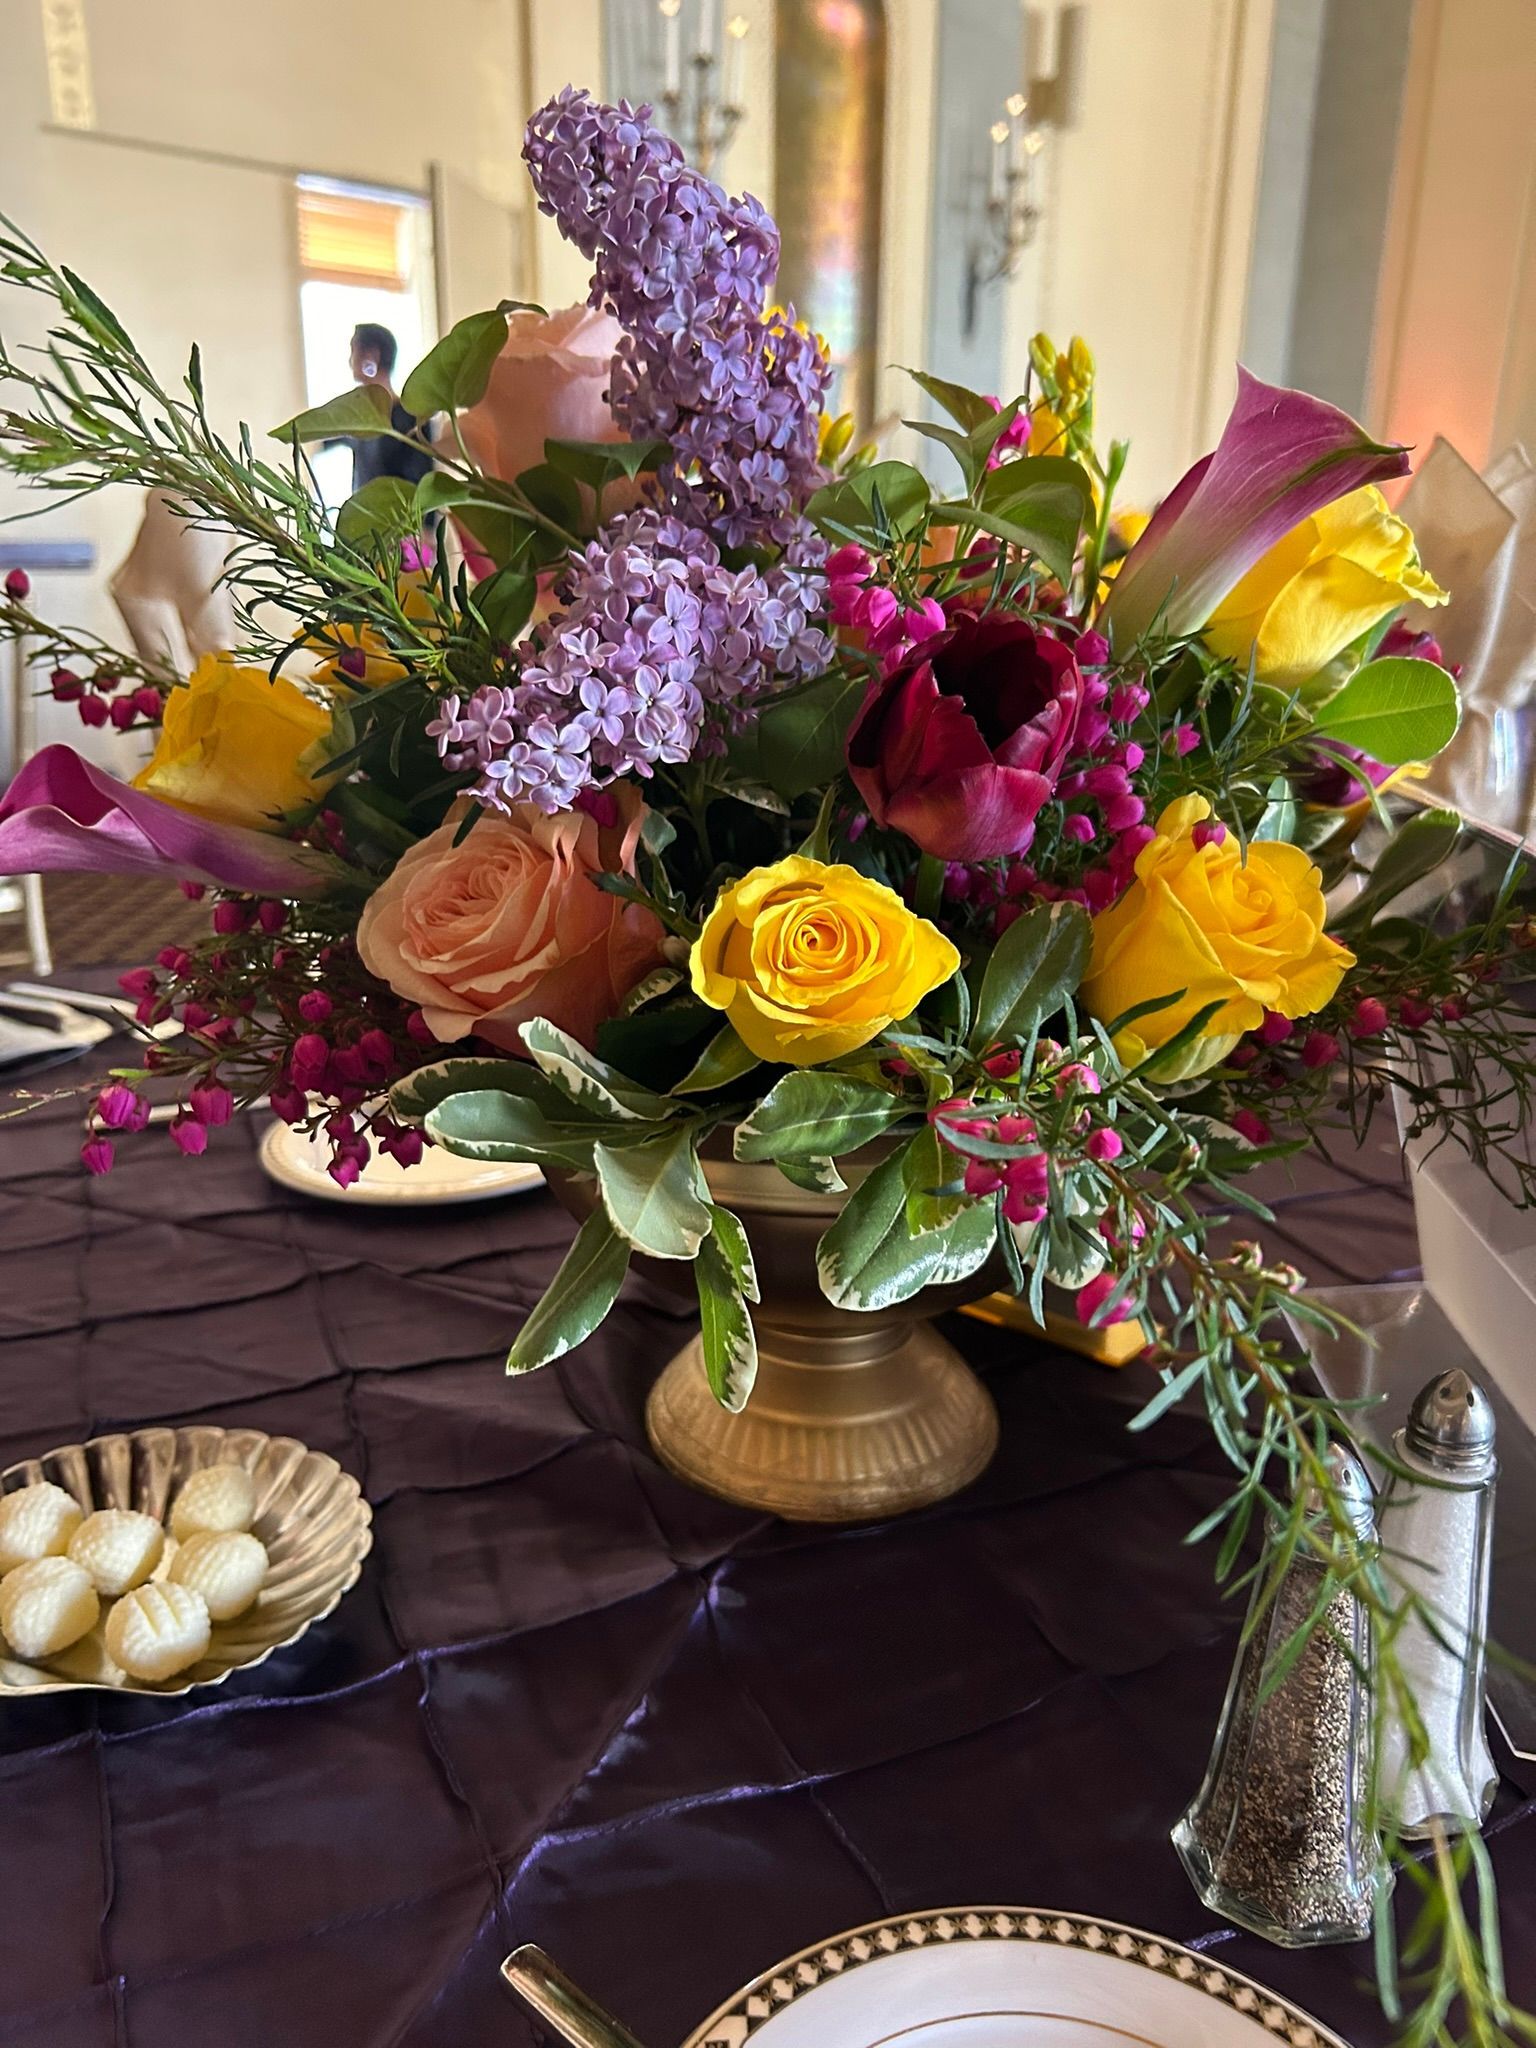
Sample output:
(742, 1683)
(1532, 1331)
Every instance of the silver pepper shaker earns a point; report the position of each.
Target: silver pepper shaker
(1437, 1526)
(1278, 1837)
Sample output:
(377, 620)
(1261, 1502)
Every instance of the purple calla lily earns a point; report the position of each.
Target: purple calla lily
(63, 813)
(1282, 456)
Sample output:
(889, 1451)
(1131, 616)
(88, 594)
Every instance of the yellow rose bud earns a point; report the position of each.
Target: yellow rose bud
(1328, 581)
(236, 746)
(809, 962)
(1198, 917)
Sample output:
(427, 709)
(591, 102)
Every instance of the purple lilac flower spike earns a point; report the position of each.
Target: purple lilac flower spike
(656, 634)
(686, 271)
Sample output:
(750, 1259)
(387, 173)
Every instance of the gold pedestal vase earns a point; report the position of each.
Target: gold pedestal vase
(853, 1416)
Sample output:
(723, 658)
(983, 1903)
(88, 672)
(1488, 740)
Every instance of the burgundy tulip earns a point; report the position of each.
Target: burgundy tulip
(961, 745)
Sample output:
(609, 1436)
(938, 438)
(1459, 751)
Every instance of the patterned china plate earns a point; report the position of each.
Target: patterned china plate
(309, 1513)
(1005, 1977)
(296, 1160)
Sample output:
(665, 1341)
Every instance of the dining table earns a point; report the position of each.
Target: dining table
(571, 1700)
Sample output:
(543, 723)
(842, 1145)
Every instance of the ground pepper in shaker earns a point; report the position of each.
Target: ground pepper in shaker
(1437, 1524)
(1277, 1838)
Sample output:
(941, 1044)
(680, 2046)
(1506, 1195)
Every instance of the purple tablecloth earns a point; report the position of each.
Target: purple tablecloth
(572, 1701)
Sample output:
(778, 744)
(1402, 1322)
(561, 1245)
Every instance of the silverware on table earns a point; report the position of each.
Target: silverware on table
(115, 1008)
(549, 1993)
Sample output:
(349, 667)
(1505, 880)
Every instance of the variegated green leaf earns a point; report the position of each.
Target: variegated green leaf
(870, 1259)
(725, 1326)
(590, 1083)
(812, 1114)
(723, 1060)
(578, 1297)
(816, 1176)
(728, 1233)
(651, 1193)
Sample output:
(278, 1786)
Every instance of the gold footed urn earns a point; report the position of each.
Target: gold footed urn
(853, 1416)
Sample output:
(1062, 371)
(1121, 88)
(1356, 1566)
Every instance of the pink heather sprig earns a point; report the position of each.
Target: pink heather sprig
(656, 633)
(735, 390)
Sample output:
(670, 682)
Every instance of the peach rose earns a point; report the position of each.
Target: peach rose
(550, 382)
(510, 925)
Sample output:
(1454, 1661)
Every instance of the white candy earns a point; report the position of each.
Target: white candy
(45, 1605)
(118, 1547)
(158, 1630)
(36, 1521)
(218, 1497)
(226, 1566)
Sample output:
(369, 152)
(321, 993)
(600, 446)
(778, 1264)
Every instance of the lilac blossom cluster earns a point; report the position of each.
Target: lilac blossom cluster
(656, 633)
(736, 391)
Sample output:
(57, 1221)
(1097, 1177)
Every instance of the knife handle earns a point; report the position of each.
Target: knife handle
(548, 1992)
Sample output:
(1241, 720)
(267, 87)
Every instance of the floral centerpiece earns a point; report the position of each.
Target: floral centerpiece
(665, 786)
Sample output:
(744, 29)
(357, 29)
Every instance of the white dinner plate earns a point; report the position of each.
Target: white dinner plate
(296, 1160)
(1005, 1977)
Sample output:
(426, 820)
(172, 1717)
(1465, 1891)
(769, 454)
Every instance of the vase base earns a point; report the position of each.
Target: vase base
(831, 1433)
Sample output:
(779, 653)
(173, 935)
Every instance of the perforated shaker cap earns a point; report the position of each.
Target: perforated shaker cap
(1450, 1425)
(1352, 1487)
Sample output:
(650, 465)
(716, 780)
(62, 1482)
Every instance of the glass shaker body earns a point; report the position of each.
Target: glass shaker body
(1278, 1837)
(1437, 1535)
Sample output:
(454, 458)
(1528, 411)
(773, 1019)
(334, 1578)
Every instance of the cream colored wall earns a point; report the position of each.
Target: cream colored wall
(1149, 207)
(178, 207)
(1456, 328)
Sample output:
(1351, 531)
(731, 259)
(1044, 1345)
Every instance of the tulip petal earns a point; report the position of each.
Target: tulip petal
(1282, 456)
(63, 813)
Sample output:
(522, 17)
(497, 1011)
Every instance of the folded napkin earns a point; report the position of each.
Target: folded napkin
(1477, 537)
(168, 591)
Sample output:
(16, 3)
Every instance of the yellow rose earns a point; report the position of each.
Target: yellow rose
(341, 643)
(236, 746)
(1328, 581)
(810, 961)
(1247, 934)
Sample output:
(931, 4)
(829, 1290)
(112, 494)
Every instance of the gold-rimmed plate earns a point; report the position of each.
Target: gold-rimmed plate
(296, 1160)
(1005, 1977)
(310, 1514)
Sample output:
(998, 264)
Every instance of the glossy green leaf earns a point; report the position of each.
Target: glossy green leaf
(578, 1297)
(847, 508)
(454, 373)
(802, 738)
(355, 416)
(969, 409)
(1045, 498)
(1039, 960)
(385, 507)
(1395, 710)
(814, 1114)
(598, 463)
(651, 1193)
(1415, 850)
(723, 1060)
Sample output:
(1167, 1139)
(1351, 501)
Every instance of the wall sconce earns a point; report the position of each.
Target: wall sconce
(701, 93)
(1011, 216)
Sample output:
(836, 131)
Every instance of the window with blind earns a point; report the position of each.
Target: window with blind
(352, 236)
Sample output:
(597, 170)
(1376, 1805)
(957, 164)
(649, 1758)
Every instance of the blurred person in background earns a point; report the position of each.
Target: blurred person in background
(373, 362)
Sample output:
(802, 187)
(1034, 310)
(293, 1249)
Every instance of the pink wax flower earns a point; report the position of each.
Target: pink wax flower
(212, 1103)
(1250, 1125)
(121, 1108)
(97, 1154)
(18, 585)
(1320, 1049)
(1104, 1145)
(1091, 1299)
(1369, 1018)
(189, 1136)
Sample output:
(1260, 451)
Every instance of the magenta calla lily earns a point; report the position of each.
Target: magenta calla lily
(1282, 456)
(61, 812)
